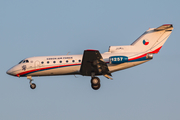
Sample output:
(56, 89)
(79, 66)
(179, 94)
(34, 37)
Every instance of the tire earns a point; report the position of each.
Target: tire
(96, 87)
(33, 86)
(95, 81)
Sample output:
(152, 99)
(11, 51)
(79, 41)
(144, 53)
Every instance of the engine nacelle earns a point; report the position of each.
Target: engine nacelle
(117, 59)
(149, 56)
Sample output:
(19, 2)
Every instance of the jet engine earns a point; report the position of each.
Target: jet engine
(149, 56)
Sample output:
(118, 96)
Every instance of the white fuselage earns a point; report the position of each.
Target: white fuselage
(61, 65)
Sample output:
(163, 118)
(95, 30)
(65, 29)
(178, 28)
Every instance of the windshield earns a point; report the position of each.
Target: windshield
(24, 61)
(20, 61)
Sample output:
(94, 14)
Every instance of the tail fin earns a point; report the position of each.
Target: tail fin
(153, 39)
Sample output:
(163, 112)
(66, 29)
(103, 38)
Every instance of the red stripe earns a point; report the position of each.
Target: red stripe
(155, 51)
(26, 72)
(91, 50)
(167, 24)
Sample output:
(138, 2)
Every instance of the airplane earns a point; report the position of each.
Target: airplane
(92, 62)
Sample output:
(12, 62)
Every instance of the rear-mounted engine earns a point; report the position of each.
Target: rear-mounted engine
(149, 56)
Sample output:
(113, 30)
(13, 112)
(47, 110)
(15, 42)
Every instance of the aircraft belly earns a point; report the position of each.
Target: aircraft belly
(114, 68)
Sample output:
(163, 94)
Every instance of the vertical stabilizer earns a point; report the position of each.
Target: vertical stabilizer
(153, 39)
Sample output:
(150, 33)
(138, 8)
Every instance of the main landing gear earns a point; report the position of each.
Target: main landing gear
(32, 85)
(95, 83)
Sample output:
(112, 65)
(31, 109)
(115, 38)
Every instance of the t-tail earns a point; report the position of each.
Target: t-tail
(153, 39)
(150, 41)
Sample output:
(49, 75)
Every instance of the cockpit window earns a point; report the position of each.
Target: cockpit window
(24, 61)
(27, 61)
(20, 61)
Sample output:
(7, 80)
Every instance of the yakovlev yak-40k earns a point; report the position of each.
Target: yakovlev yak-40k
(92, 62)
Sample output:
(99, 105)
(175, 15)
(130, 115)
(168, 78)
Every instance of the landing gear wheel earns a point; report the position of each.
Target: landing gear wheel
(95, 81)
(33, 86)
(96, 87)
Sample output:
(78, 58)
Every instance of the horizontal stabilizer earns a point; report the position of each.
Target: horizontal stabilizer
(164, 27)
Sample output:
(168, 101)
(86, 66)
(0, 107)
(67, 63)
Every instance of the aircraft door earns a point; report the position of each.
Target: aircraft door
(37, 64)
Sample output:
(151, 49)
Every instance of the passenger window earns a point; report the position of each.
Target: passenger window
(54, 61)
(60, 61)
(24, 61)
(73, 61)
(66, 61)
(42, 62)
(47, 62)
(79, 60)
(27, 61)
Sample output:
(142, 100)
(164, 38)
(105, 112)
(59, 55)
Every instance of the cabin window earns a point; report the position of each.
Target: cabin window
(42, 62)
(73, 60)
(54, 61)
(47, 62)
(60, 61)
(79, 60)
(27, 61)
(66, 61)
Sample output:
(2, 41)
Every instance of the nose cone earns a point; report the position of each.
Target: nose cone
(10, 72)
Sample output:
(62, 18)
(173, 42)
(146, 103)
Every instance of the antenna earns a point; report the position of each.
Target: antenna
(68, 53)
(75, 76)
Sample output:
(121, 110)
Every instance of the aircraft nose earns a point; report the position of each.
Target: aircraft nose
(10, 72)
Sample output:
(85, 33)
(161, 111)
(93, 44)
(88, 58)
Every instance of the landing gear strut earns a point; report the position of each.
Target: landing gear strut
(32, 85)
(95, 83)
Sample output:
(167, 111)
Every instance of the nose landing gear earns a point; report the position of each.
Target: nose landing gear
(32, 85)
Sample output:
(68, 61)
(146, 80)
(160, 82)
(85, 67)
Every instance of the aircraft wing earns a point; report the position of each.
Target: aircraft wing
(93, 62)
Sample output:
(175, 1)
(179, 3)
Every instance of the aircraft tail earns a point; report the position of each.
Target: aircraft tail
(153, 39)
